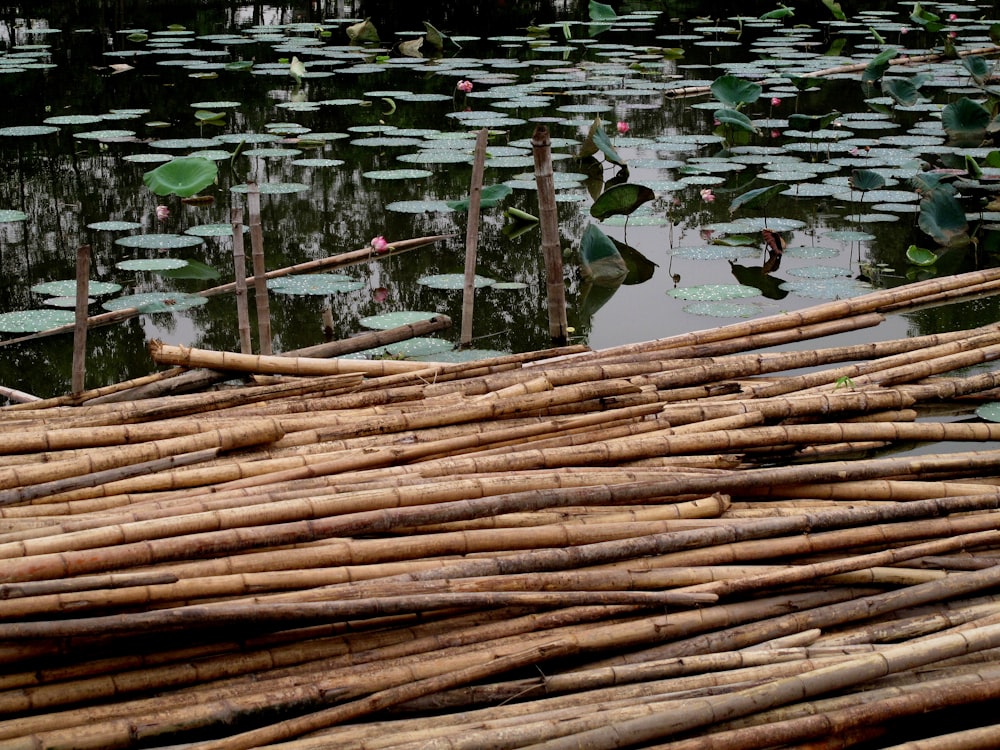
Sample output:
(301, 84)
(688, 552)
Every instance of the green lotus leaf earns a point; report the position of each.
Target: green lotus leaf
(978, 68)
(621, 199)
(920, 256)
(597, 140)
(154, 302)
(182, 177)
(990, 412)
(757, 198)
(734, 91)
(965, 122)
(942, 217)
(364, 31)
(834, 7)
(782, 11)
(193, 269)
(866, 179)
(902, 90)
(601, 13)
(736, 119)
(811, 123)
(924, 18)
(878, 65)
(490, 196)
(30, 321)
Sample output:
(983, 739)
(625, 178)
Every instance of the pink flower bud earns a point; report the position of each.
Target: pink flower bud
(623, 128)
(464, 86)
(162, 213)
(953, 16)
(379, 244)
(707, 195)
(775, 101)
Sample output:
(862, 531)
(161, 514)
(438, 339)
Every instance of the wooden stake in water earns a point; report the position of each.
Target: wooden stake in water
(472, 236)
(80, 329)
(549, 224)
(240, 269)
(259, 269)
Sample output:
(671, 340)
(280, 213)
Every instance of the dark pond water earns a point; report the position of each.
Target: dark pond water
(360, 111)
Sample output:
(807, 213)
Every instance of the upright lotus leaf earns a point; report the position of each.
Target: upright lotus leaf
(437, 39)
(904, 91)
(926, 19)
(363, 31)
(878, 65)
(600, 259)
(942, 217)
(735, 119)
(758, 198)
(411, 47)
(965, 122)
(734, 91)
(810, 123)
(782, 11)
(834, 7)
(597, 140)
(920, 256)
(207, 116)
(994, 33)
(621, 199)
(490, 196)
(978, 68)
(182, 177)
(601, 13)
(864, 180)
(640, 268)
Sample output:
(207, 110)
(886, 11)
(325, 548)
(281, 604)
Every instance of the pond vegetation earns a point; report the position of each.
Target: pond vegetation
(709, 167)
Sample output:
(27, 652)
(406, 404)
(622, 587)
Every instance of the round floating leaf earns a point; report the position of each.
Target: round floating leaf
(453, 281)
(153, 302)
(621, 199)
(181, 177)
(30, 130)
(9, 215)
(106, 135)
(213, 230)
(990, 412)
(67, 287)
(66, 301)
(72, 120)
(397, 174)
(385, 321)
(150, 264)
(422, 346)
(31, 321)
(724, 309)
(159, 241)
(193, 269)
(714, 292)
(273, 188)
(115, 226)
(314, 284)
(489, 197)
(461, 355)
(835, 288)
(418, 207)
(509, 285)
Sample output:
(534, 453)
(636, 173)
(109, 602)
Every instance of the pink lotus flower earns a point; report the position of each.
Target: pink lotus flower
(380, 295)
(464, 86)
(380, 245)
(775, 101)
(953, 16)
(707, 195)
(162, 213)
(623, 128)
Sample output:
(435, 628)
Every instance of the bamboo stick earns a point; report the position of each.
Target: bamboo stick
(80, 329)
(259, 270)
(549, 224)
(472, 236)
(240, 274)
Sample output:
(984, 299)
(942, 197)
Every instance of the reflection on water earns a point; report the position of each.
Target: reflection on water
(124, 62)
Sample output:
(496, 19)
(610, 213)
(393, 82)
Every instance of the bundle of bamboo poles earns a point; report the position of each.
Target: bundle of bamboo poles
(704, 541)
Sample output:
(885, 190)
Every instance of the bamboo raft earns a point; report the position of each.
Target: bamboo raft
(705, 541)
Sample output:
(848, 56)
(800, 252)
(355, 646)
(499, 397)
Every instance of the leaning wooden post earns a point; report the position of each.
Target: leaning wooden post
(472, 236)
(549, 224)
(259, 269)
(80, 329)
(240, 270)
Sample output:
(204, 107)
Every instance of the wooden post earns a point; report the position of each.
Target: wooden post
(549, 225)
(240, 269)
(259, 269)
(472, 236)
(80, 329)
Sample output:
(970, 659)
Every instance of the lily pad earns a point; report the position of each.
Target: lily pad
(32, 321)
(314, 284)
(150, 264)
(155, 302)
(159, 241)
(453, 281)
(274, 188)
(213, 230)
(397, 174)
(67, 287)
(385, 321)
(720, 309)
(114, 226)
(10, 215)
(714, 292)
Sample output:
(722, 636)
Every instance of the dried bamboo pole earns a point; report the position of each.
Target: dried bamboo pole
(240, 274)
(472, 235)
(259, 270)
(80, 328)
(549, 224)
